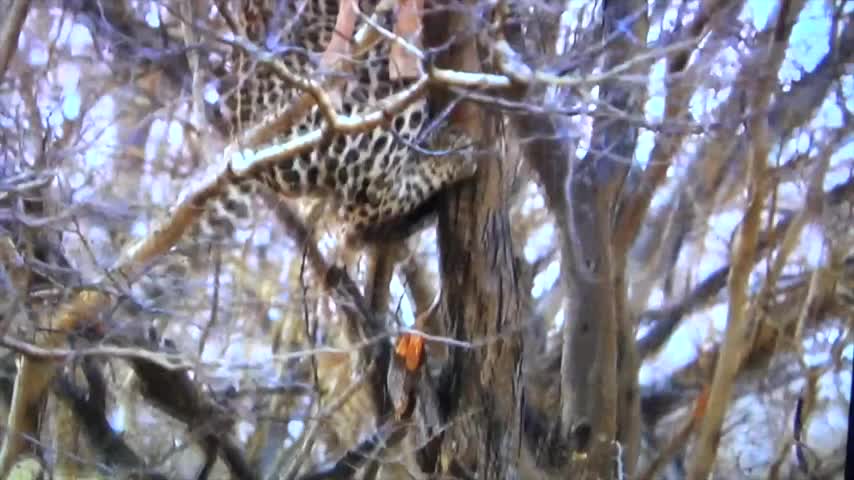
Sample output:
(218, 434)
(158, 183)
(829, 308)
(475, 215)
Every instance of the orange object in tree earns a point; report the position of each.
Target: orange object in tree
(411, 348)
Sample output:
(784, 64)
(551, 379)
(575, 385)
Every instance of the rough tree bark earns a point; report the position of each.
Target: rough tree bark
(480, 390)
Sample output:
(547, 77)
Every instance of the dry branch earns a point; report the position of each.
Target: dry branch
(717, 167)
(679, 440)
(668, 318)
(594, 398)
(582, 203)
(362, 322)
(10, 30)
(89, 304)
(176, 394)
(667, 144)
(65, 355)
(744, 250)
(34, 374)
(90, 408)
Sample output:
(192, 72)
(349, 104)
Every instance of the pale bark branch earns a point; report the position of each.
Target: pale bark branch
(746, 243)
(598, 335)
(164, 360)
(718, 165)
(668, 318)
(667, 144)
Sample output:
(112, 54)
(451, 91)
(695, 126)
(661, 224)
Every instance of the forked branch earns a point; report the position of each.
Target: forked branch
(744, 250)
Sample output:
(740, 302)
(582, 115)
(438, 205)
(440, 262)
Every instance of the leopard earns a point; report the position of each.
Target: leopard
(387, 176)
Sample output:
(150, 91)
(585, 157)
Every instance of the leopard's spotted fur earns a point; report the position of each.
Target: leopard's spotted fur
(374, 177)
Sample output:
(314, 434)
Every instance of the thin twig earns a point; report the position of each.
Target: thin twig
(171, 362)
(212, 320)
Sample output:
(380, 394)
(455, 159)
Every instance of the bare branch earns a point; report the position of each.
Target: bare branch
(744, 251)
(667, 144)
(10, 30)
(164, 360)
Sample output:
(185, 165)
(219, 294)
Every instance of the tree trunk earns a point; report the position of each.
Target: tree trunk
(480, 388)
